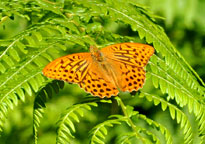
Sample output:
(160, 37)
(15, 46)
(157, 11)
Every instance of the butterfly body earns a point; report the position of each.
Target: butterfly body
(104, 72)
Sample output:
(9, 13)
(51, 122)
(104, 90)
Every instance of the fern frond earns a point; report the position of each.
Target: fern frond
(26, 74)
(175, 114)
(99, 132)
(18, 45)
(178, 89)
(153, 34)
(43, 95)
(126, 137)
(18, 82)
(17, 91)
(65, 123)
(130, 113)
(163, 129)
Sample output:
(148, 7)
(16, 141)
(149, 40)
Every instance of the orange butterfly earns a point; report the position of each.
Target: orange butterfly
(105, 72)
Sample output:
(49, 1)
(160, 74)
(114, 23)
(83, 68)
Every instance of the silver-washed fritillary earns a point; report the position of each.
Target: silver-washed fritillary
(105, 72)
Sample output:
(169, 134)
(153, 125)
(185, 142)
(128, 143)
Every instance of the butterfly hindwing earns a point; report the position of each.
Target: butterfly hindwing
(134, 78)
(97, 83)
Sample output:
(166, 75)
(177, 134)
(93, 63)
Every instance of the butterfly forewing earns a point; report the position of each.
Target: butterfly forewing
(79, 68)
(70, 68)
(130, 53)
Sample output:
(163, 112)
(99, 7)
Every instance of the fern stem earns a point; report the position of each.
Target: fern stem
(135, 129)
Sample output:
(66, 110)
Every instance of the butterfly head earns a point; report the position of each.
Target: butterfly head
(96, 53)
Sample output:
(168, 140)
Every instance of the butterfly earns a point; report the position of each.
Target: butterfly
(105, 72)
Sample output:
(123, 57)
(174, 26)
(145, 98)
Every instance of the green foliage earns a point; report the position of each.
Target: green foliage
(66, 121)
(99, 132)
(43, 95)
(54, 29)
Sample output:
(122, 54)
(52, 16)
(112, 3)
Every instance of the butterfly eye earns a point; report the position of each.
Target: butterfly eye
(98, 56)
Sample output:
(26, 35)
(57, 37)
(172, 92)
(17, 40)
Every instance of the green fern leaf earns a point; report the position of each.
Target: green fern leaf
(163, 130)
(99, 132)
(175, 114)
(39, 104)
(65, 124)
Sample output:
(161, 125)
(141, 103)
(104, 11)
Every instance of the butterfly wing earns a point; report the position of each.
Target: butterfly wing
(97, 86)
(129, 53)
(70, 68)
(98, 83)
(128, 59)
(134, 77)
(79, 68)
(127, 77)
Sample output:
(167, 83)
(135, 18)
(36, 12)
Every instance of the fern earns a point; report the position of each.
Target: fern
(99, 132)
(72, 26)
(177, 89)
(175, 114)
(65, 123)
(39, 103)
(123, 139)
(157, 125)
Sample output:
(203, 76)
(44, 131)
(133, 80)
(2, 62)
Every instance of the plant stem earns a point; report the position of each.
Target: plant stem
(123, 107)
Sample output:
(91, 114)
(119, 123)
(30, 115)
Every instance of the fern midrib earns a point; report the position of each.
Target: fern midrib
(67, 115)
(168, 104)
(178, 61)
(191, 97)
(158, 125)
(105, 124)
(8, 48)
(174, 80)
(23, 34)
(183, 116)
(154, 137)
(127, 138)
(97, 129)
(32, 58)
(133, 126)
(2, 99)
